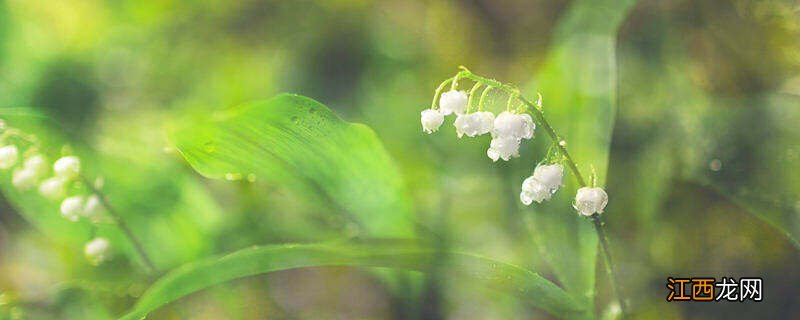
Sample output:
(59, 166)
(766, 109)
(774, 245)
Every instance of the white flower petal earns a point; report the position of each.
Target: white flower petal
(508, 124)
(453, 102)
(97, 251)
(67, 168)
(549, 175)
(53, 188)
(503, 148)
(24, 179)
(93, 208)
(8, 156)
(589, 201)
(431, 120)
(72, 208)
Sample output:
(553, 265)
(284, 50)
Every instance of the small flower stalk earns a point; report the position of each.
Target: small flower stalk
(509, 128)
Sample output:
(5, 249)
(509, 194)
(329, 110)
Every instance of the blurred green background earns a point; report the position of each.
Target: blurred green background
(689, 111)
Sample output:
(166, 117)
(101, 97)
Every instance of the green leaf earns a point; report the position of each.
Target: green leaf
(193, 277)
(301, 145)
(578, 84)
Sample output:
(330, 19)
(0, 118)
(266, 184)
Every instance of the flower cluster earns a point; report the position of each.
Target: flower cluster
(31, 171)
(508, 129)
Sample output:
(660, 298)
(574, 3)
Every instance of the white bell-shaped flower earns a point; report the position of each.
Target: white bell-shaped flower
(474, 124)
(453, 102)
(31, 172)
(508, 124)
(37, 164)
(97, 251)
(544, 182)
(93, 209)
(550, 175)
(467, 124)
(431, 120)
(53, 188)
(8, 156)
(72, 208)
(503, 148)
(533, 190)
(67, 168)
(485, 122)
(589, 201)
(24, 179)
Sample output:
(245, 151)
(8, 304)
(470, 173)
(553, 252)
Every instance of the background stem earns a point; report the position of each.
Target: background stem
(137, 245)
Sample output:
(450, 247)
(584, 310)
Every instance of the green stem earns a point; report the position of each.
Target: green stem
(597, 220)
(439, 92)
(137, 245)
(472, 94)
(483, 97)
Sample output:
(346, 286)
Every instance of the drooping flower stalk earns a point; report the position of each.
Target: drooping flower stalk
(590, 200)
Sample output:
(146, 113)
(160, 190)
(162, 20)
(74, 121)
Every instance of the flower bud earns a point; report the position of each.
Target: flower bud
(503, 147)
(8, 156)
(67, 167)
(431, 120)
(97, 251)
(53, 188)
(24, 178)
(93, 209)
(453, 102)
(37, 164)
(72, 208)
(589, 201)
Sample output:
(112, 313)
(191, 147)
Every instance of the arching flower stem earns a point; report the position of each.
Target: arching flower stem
(483, 97)
(472, 94)
(439, 91)
(536, 111)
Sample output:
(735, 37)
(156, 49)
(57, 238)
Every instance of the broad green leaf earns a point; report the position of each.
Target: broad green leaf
(301, 145)
(190, 278)
(578, 84)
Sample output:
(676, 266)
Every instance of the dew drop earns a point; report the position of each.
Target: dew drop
(295, 119)
(209, 147)
(233, 176)
(562, 143)
(312, 110)
(715, 165)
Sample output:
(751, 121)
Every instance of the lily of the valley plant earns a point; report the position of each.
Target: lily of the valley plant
(22, 153)
(509, 129)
